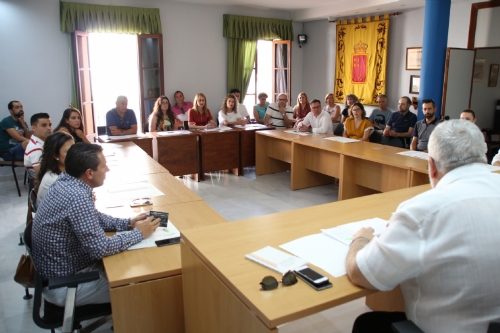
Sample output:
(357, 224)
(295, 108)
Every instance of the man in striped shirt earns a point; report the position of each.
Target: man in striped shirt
(42, 128)
(279, 114)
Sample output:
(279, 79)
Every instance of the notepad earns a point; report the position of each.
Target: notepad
(160, 233)
(276, 260)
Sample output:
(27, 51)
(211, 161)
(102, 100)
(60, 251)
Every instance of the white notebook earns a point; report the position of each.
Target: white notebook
(276, 260)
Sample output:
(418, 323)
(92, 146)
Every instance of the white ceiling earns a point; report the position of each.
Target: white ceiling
(310, 10)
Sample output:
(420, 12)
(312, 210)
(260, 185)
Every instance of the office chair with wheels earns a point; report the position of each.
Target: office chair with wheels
(409, 327)
(69, 316)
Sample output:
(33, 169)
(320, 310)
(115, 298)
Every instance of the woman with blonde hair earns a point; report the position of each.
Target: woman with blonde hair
(228, 115)
(332, 108)
(302, 108)
(199, 115)
(162, 118)
(356, 125)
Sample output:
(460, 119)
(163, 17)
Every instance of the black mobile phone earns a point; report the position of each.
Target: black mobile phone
(163, 216)
(170, 241)
(311, 276)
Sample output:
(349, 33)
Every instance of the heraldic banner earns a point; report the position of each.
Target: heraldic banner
(361, 60)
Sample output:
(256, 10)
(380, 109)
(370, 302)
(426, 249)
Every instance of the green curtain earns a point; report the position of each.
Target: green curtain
(109, 19)
(240, 60)
(242, 33)
(75, 100)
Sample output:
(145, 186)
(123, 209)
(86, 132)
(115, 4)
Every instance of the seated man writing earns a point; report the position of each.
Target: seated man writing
(68, 231)
(441, 246)
(120, 120)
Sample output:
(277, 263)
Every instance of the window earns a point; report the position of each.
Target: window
(281, 68)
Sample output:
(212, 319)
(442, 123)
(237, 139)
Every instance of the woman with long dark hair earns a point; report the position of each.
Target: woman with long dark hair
(162, 118)
(52, 161)
(72, 124)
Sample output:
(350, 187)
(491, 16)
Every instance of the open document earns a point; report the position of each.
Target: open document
(328, 250)
(121, 194)
(169, 133)
(161, 233)
(128, 136)
(298, 132)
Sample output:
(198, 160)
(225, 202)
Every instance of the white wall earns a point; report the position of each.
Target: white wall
(484, 99)
(35, 53)
(406, 30)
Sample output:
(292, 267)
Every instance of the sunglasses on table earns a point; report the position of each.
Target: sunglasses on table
(141, 202)
(270, 282)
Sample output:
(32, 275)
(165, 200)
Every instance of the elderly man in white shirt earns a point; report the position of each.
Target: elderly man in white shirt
(319, 121)
(441, 246)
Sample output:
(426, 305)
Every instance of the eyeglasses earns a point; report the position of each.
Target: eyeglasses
(270, 282)
(183, 112)
(358, 109)
(316, 107)
(164, 103)
(122, 123)
(142, 202)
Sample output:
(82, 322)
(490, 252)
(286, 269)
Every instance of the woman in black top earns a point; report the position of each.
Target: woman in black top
(71, 123)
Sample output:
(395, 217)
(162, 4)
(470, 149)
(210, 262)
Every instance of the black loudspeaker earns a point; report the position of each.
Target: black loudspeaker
(496, 123)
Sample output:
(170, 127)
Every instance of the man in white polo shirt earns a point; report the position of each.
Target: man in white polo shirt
(42, 128)
(319, 121)
(441, 246)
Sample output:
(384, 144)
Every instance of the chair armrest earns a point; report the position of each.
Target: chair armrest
(73, 281)
(405, 327)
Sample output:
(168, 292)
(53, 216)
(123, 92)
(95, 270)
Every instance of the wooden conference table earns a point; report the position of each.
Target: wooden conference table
(143, 141)
(221, 287)
(146, 284)
(207, 151)
(362, 168)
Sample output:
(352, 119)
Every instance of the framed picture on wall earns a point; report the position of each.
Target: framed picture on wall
(478, 70)
(414, 84)
(413, 58)
(493, 79)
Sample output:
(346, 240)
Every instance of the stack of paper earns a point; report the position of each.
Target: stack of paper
(224, 128)
(276, 260)
(413, 153)
(129, 136)
(328, 250)
(341, 139)
(167, 133)
(297, 132)
(160, 233)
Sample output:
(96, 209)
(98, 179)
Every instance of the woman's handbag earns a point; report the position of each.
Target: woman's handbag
(25, 272)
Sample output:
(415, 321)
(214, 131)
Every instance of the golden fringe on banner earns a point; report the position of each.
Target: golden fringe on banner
(365, 19)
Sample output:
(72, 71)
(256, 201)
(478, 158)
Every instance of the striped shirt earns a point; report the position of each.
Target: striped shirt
(276, 117)
(68, 231)
(32, 155)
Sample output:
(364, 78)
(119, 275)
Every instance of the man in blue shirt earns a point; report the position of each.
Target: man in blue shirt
(399, 128)
(120, 120)
(14, 133)
(69, 232)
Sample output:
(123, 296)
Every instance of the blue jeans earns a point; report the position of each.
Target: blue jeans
(18, 153)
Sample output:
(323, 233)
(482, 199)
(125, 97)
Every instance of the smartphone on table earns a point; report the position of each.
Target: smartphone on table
(313, 278)
(163, 216)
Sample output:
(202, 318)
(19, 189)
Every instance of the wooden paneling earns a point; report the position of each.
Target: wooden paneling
(219, 151)
(178, 153)
(161, 300)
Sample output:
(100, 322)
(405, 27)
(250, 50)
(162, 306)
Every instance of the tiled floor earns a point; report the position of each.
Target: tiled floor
(233, 197)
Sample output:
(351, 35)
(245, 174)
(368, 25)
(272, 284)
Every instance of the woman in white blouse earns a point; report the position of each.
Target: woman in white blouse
(332, 108)
(228, 115)
(52, 161)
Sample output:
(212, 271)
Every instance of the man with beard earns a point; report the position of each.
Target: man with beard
(424, 127)
(399, 128)
(14, 133)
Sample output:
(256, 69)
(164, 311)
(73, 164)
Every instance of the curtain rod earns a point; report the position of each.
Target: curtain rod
(363, 18)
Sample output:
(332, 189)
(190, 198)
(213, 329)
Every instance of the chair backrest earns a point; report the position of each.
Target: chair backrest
(145, 128)
(32, 200)
(339, 131)
(101, 130)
